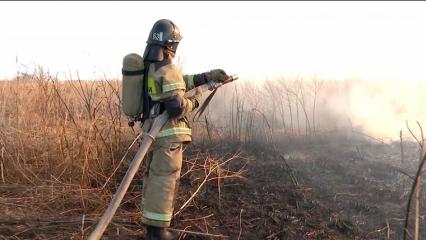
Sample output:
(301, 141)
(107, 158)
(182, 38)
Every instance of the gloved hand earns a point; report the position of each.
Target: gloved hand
(216, 75)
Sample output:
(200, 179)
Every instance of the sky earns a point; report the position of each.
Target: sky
(256, 40)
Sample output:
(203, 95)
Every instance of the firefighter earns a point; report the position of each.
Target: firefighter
(166, 87)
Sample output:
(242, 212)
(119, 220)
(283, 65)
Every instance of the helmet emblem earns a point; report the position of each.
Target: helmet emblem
(157, 36)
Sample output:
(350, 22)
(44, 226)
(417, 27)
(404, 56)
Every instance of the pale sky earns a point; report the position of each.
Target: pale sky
(257, 40)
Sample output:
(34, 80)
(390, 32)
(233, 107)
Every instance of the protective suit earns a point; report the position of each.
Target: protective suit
(166, 86)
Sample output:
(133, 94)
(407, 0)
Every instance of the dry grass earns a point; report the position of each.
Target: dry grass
(61, 142)
(66, 132)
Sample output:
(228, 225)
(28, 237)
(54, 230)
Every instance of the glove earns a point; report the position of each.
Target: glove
(216, 75)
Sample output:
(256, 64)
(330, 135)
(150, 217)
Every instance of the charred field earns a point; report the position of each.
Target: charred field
(338, 194)
(252, 172)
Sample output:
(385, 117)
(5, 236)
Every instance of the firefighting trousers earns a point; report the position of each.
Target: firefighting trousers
(160, 183)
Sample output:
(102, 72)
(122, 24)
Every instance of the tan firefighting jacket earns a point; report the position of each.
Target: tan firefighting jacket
(164, 82)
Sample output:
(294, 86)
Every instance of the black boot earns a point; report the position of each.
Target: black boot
(157, 233)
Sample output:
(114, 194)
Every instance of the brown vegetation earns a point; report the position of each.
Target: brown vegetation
(269, 161)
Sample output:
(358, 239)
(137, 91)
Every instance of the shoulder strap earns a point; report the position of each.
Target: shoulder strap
(145, 95)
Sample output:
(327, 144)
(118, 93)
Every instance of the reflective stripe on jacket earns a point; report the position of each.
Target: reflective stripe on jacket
(163, 83)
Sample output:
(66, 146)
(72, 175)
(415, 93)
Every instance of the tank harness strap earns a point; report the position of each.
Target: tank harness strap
(132, 73)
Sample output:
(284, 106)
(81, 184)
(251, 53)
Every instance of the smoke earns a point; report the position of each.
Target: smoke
(377, 108)
(383, 107)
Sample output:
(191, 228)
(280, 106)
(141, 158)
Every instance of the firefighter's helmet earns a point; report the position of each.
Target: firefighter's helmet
(164, 34)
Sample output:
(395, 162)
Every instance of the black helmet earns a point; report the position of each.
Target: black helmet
(164, 34)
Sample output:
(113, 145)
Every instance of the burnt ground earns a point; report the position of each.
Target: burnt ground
(267, 205)
(342, 189)
(363, 182)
